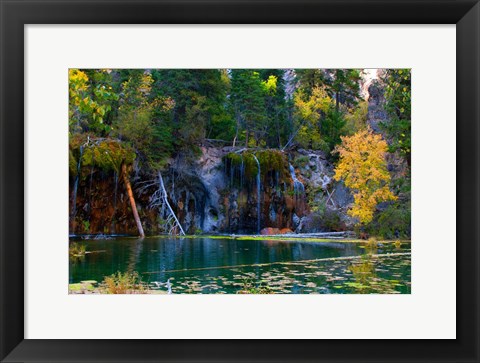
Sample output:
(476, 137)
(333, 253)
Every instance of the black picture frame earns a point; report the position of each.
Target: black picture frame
(16, 13)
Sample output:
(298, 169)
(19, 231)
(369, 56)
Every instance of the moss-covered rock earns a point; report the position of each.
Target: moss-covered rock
(103, 154)
(271, 161)
(108, 155)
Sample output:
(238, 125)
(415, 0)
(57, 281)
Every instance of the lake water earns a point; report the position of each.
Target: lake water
(213, 265)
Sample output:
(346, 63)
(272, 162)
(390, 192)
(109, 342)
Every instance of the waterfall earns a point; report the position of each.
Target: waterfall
(258, 193)
(298, 186)
(75, 185)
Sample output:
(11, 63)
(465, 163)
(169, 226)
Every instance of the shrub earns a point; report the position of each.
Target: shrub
(324, 220)
(124, 283)
(86, 226)
(301, 161)
(391, 223)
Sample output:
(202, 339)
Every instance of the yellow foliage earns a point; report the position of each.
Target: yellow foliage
(308, 112)
(363, 168)
(78, 85)
(357, 119)
(270, 85)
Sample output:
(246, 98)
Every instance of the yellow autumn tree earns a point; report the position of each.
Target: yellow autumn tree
(89, 102)
(363, 168)
(308, 116)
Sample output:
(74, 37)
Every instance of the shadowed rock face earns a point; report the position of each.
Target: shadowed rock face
(103, 207)
(376, 107)
(376, 116)
(267, 199)
(217, 192)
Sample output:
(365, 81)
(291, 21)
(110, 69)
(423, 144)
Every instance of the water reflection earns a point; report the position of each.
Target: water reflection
(223, 265)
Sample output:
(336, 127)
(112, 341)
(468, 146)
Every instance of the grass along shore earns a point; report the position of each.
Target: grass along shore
(285, 238)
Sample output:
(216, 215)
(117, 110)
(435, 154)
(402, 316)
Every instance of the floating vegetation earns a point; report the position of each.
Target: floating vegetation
(250, 286)
(76, 250)
(262, 267)
(83, 287)
(349, 275)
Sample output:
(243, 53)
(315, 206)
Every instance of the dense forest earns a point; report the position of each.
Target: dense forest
(205, 151)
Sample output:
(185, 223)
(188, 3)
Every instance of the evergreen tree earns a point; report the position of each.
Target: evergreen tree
(343, 85)
(278, 127)
(248, 103)
(398, 96)
(199, 97)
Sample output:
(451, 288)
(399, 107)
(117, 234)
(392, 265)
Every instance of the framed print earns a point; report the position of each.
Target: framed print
(239, 181)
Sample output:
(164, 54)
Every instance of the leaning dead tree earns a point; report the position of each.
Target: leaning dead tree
(159, 199)
(128, 187)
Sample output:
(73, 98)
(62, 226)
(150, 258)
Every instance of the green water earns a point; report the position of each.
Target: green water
(205, 265)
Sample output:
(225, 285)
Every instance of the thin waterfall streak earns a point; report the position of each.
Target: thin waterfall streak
(241, 172)
(91, 183)
(258, 193)
(115, 178)
(298, 186)
(75, 185)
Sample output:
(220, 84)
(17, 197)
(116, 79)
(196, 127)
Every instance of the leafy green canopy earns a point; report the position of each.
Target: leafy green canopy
(398, 105)
(165, 112)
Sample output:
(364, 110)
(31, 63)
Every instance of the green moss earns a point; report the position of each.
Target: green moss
(273, 161)
(234, 158)
(108, 155)
(75, 143)
(84, 285)
(250, 165)
(72, 163)
(75, 287)
(301, 161)
(90, 282)
(270, 161)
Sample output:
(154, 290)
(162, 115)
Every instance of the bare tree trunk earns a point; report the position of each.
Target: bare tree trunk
(165, 198)
(132, 200)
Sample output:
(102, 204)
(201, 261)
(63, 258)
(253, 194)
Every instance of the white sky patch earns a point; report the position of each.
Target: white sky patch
(369, 75)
